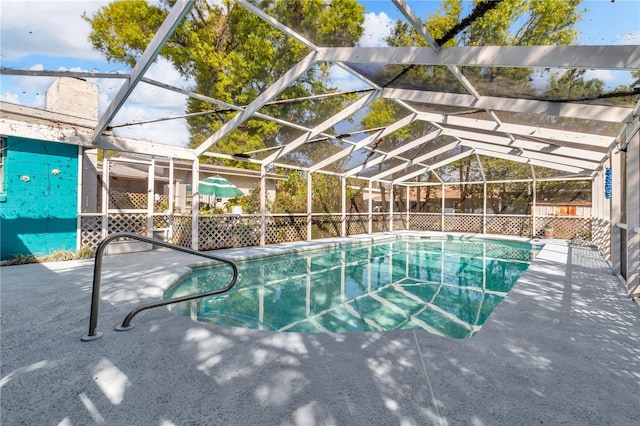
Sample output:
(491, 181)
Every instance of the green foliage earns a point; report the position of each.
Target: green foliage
(291, 195)
(232, 55)
(57, 256)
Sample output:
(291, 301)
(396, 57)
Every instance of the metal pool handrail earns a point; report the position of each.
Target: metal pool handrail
(126, 324)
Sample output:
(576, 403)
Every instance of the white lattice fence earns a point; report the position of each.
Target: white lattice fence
(135, 223)
(601, 230)
(509, 225)
(380, 223)
(463, 223)
(216, 232)
(285, 229)
(399, 221)
(326, 226)
(566, 228)
(181, 230)
(357, 224)
(91, 231)
(127, 200)
(425, 221)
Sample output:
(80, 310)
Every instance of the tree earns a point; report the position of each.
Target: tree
(232, 55)
(505, 23)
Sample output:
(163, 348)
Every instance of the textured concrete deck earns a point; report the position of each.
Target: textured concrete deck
(562, 348)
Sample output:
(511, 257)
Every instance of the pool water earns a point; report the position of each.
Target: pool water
(447, 287)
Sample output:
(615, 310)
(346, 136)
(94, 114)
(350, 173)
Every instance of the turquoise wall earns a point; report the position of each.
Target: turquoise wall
(38, 206)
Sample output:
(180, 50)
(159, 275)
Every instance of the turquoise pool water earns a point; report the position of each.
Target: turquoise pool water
(444, 286)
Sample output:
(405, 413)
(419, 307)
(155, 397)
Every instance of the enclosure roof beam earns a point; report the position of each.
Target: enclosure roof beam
(394, 153)
(330, 122)
(173, 19)
(540, 163)
(433, 166)
(366, 141)
(554, 109)
(272, 91)
(587, 139)
(596, 155)
(555, 159)
(417, 160)
(618, 57)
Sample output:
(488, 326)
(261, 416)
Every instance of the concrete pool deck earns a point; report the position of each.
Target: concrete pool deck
(562, 348)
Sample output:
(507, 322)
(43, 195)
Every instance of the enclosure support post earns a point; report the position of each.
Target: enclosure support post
(370, 209)
(79, 198)
(442, 210)
(151, 197)
(391, 205)
(616, 210)
(533, 208)
(171, 196)
(309, 207)
(105, 194)
(195, 203)
(407, 208)
(633, 210)
(343, 208)
(484, 208)
(263, 204)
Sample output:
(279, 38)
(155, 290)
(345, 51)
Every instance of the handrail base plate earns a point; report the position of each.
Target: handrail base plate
(87, 338)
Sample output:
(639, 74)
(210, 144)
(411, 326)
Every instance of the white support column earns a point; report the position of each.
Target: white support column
(195, 203)
(615, 204)
(343, 207)
(309, 206)
(151, 197)
(442, 210)
(484, 207)
(533, 213)
(370, 215)
(391, 205)
(105, 194)
(171, 201)
(79, 200)
(263, 205)
(408, 208)
(633, 212)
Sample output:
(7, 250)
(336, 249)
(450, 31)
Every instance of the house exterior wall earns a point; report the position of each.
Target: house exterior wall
(38, 212)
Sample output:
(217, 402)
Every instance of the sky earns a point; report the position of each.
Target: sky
(51, 35)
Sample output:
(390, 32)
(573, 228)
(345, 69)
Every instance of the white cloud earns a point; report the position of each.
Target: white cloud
(376, 28)
(631, 37)
(53, 28)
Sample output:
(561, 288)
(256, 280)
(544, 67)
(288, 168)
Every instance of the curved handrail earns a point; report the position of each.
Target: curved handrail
(126, 324)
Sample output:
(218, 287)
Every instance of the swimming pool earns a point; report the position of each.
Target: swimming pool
(445, 286)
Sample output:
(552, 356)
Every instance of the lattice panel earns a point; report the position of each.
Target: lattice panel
(160, 204)
(509, 225)
(326, 226)
(565, 228)
(285, 229)
(127, 200)
(91, 231)
(602, 236)
(399, 221)
(380, 223)
(227, 231)
(357, 224)
(425, 222)
(161, 221)
(181, 231)
(127, 222)
(463, 223)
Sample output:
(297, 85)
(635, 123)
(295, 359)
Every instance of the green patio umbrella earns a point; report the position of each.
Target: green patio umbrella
(218, 187)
